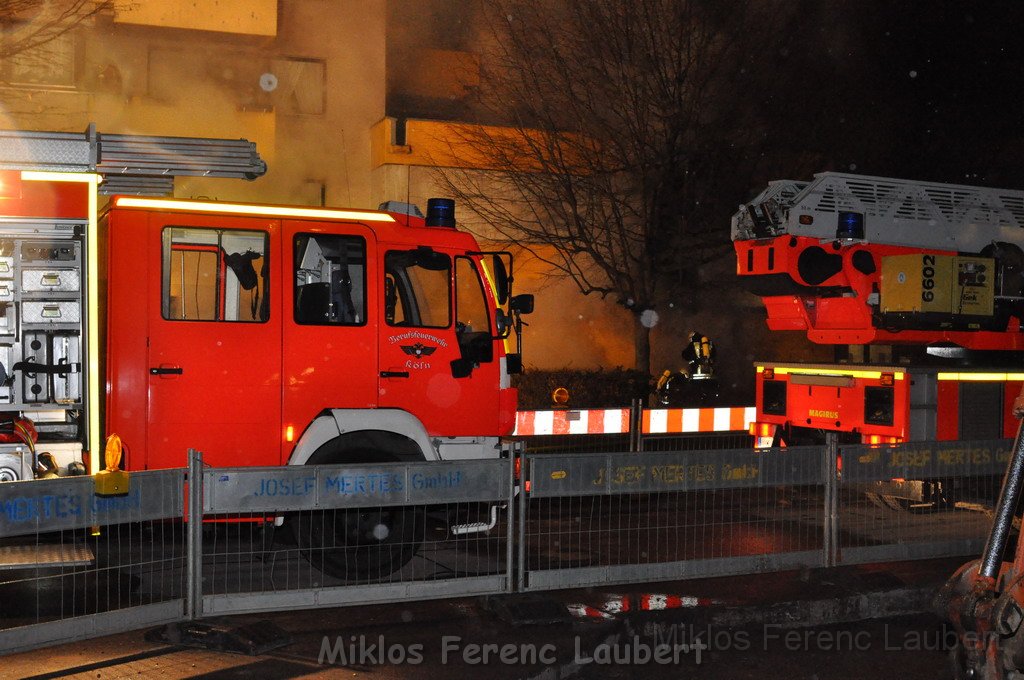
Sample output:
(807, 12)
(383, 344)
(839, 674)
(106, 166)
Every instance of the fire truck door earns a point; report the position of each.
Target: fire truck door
(330, 341)
(435, 312)
(214, 331)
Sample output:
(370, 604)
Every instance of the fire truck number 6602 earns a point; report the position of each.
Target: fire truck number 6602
(928, 278)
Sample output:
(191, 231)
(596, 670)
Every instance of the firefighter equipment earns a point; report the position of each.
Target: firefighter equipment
(694, 385)
(699, 355)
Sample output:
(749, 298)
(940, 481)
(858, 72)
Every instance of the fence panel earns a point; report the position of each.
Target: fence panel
(917, 500)
(331, 535)
(75, 565)
(634, 517)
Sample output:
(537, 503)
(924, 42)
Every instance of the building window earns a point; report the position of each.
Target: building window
(51, 64)
(297, 85)
(215, 275)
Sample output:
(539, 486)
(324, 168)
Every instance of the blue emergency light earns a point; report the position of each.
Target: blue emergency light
(850, 225)
(441, 212)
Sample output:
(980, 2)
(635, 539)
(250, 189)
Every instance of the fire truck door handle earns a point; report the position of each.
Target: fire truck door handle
(394, 374)
(165, 370)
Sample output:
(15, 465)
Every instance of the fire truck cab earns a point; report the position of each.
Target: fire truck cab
(272, 335)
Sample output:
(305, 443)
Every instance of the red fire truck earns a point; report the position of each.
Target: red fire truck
(856, 260)
(258, 334)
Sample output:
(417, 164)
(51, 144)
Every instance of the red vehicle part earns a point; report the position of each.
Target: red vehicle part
(830, 292)
(886, 404)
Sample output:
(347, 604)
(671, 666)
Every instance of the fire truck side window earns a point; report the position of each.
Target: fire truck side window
(330, 280)
(417, 288)
(214, 275)
(470, 304)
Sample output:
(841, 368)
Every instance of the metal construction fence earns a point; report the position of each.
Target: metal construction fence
(189, 543)
(75, 565)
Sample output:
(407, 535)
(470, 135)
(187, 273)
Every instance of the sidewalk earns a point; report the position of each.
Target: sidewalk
(818, 623)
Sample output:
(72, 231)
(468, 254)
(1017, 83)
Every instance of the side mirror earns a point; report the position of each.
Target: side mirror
(522, 304)
(501, 279)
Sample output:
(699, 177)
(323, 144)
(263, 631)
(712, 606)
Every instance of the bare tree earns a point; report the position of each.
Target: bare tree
(28, 24)
(621, 116)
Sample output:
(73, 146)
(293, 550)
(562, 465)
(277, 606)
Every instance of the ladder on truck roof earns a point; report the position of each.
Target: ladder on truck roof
(950, 217)
(130, 164)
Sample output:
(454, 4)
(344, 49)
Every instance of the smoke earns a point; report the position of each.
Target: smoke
(312, 126)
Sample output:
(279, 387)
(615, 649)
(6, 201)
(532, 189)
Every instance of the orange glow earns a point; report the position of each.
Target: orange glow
(289, 434)
(10, 184)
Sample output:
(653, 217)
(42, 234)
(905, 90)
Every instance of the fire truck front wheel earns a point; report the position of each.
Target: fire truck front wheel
(358, 544)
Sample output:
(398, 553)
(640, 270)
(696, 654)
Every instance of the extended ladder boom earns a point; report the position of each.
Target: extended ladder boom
(897, 212)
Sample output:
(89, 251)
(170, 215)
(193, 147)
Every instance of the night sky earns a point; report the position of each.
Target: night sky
(918, 90)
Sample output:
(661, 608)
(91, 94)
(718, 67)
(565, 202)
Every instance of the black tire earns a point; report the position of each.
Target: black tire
(358, 544)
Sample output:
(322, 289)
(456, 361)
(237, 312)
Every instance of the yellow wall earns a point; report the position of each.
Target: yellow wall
(447, 144)
(250, 17)
(430, 143)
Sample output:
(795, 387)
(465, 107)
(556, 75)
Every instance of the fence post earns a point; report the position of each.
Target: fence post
(636, 422)
(194, 552)
(831, 519)
(510, 536)
(520, 535)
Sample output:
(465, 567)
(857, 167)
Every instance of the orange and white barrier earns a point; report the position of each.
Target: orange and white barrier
(696, 420)
(589, 421)
(616, 421)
